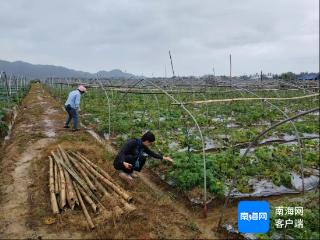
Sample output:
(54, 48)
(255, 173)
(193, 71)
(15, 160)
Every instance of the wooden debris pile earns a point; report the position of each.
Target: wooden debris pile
(75, 181)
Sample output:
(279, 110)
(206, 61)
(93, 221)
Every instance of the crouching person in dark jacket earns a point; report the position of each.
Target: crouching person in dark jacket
(131, 156)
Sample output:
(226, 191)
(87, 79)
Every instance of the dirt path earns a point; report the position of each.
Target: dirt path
(35, 129)
(24, 195)
(18, 156)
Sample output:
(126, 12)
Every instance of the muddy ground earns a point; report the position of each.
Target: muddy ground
(24, 194)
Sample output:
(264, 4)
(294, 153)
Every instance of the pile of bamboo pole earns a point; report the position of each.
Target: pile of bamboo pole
(75, 181)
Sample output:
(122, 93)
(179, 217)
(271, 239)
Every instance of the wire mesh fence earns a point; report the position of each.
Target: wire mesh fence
(12, 89)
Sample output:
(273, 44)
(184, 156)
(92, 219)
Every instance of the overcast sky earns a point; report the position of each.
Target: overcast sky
(135, 35)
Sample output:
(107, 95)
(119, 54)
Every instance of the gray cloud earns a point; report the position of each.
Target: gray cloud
(135, 35)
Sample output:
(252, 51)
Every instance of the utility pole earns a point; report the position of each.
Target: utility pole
(230, 70)
(173, 75)
(212, 79)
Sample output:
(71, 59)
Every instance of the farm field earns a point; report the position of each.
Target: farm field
(274, 165)
(210, 132)
(227, 129)
(12, 91)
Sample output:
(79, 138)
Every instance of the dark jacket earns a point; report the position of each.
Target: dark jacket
(131, 151)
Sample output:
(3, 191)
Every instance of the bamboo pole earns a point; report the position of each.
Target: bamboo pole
(56, 183)
(247, 99)
(110, 184)
(102, 189)
(106, 196)
(71, 193)
(84, 209)
(87, 198)
(59, 180)
(110, 197)
(64, 156)
(95, 166)
(105, 174)
(62, 182)
(96, 183)
(78, 179)
(82, 172)
(54, 204)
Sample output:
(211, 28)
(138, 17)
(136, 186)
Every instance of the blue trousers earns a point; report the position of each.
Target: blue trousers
(72, 114)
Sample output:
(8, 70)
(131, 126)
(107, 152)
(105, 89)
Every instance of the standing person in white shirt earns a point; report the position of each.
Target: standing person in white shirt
(72, 106)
